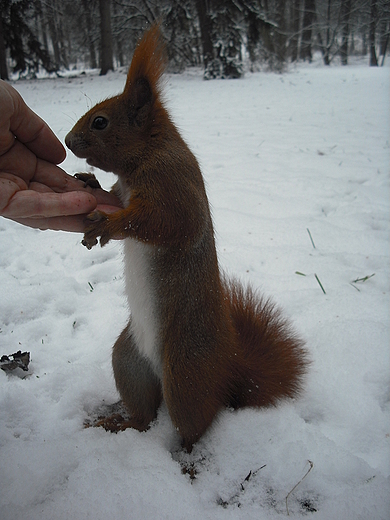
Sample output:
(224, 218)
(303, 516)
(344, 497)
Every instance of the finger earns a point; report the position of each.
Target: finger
(105, 208)
(107, 198)
(56, 178)
(13, 178)
(59, 181)
(101, 196)
(30, 129)
(19, 161)
(74, 223)
(9, 186)
(37, 186)
(43, 143)
(33, 204)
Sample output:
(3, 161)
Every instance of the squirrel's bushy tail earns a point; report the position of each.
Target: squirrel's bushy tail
(273, 359)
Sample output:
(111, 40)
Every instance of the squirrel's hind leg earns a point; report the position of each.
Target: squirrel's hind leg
(138, 385)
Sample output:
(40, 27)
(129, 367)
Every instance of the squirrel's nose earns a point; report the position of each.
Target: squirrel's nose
(69, 140)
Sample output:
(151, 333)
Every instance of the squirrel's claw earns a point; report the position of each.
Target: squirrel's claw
(89, 179)
(89, 243)
(96, 228)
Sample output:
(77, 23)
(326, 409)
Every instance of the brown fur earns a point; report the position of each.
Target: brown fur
(218, 343)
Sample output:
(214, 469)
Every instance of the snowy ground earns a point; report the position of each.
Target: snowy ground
(281, 154)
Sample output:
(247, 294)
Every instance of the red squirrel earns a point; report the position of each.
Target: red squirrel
(195, 339)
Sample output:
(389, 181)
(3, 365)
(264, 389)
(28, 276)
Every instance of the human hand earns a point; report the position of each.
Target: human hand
(33, 190)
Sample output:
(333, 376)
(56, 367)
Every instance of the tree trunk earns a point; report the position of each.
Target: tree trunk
(106, 61)
(384, 51)
(88, 24)
(373, 21)
(61, 41)
(17, 52)
(295, 15)
(280, 34)
(3, 54)
(364, 41)
(324, 49)
(42, 25)
(352, 43)
(53, 34)
(205, 32)
(345, 14)
(309, 16)
(118, 41)
(327, 48)
(384, 37)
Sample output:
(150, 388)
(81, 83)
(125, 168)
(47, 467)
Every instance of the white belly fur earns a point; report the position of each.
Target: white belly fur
(144, 326)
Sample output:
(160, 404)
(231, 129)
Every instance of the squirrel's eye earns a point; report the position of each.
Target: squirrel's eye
(99, 123)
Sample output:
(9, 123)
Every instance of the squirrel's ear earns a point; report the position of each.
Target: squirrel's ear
(139, 96)
(143, 92)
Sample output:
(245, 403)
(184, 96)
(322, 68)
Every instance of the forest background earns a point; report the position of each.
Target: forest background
(222, 36)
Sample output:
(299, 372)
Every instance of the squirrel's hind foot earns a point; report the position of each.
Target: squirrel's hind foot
(114, 418)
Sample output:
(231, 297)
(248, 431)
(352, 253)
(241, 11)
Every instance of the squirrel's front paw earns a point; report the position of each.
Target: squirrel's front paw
(97, 227)
(89, 179)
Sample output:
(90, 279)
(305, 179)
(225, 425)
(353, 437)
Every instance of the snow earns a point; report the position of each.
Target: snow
(282, 155)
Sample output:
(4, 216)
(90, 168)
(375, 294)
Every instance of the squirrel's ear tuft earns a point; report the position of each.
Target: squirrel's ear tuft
(147, 66)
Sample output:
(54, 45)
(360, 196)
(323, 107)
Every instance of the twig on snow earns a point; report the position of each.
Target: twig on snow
(311, 238)
(320, 284)
(297, 484)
